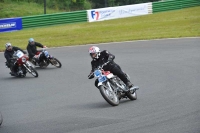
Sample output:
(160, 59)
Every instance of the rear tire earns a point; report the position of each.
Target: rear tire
(132, 95)
(112, 100)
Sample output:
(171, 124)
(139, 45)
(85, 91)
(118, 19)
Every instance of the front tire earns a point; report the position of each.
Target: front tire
(33, 72)
(56, 62)
(109, 96)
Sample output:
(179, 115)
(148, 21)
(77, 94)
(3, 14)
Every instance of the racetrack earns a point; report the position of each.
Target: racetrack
(63, 100)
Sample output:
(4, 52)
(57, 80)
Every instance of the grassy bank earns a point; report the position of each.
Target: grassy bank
(172, 24)
(19, 9)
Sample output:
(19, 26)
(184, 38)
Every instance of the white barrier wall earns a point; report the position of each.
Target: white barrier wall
(119, 12)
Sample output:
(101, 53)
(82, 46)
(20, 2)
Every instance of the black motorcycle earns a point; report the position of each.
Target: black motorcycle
(45, 59)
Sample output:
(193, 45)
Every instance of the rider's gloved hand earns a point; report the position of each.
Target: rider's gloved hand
(90, 76)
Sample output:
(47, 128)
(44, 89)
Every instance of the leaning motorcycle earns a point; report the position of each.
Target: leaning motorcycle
(23, 65)
(46, 59)
(112, 88)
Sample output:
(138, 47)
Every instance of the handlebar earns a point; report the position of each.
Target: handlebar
(44, 48)
(99, 67)
(91, 74)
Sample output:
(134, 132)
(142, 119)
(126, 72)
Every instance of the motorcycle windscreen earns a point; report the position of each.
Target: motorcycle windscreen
(19, 54)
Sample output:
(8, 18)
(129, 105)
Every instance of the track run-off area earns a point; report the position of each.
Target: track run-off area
(64, 100)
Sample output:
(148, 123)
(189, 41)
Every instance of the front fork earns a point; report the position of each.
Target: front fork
(107, 85)
(27, 68)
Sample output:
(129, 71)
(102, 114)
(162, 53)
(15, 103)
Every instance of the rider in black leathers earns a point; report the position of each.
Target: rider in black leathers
(32, 49)
(8, 54)
(101, 57)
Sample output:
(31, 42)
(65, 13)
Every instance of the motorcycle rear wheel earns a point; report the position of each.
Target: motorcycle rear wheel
(112, 99)
(132, 95)
(44, 64)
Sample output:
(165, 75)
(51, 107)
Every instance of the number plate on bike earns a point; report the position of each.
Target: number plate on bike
(19, 54)
(102, 78)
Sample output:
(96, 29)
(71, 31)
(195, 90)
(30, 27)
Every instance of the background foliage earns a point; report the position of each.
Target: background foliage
(72, 5)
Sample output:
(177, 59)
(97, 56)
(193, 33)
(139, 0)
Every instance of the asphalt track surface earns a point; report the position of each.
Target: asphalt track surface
(63, 100)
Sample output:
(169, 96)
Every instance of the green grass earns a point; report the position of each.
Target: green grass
(20, 9)
(171, 24)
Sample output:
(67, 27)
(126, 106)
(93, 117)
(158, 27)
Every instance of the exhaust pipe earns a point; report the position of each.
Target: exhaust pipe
(134, 88)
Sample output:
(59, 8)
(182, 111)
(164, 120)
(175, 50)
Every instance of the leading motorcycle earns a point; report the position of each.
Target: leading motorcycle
(112, 88)
(23, 64)
(46, 59)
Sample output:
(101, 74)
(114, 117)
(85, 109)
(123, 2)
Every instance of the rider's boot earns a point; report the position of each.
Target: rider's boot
(129, 84)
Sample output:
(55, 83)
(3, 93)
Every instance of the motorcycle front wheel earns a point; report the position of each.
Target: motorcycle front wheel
(33, 72)
(56, 62)
(109, 96)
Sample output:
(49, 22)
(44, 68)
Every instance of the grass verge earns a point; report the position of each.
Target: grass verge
(19, 9)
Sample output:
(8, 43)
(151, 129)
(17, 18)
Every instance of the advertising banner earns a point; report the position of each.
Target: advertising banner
(117, 12)
(10, 24)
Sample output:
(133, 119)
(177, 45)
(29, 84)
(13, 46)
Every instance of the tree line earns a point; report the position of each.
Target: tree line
(73, 5)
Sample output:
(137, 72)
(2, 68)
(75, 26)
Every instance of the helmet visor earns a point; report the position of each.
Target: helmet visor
(32, 42)
(93, 55)
(9, 48)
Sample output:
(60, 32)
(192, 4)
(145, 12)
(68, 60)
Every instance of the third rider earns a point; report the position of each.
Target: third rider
(101, 57)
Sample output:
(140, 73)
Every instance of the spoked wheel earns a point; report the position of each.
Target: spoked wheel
(132, 95)
(56, 62)
(109, 95)
(1, 119)
(33, 72)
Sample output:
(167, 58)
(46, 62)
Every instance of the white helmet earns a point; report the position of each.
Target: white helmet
(94, 52)
(8, 45)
